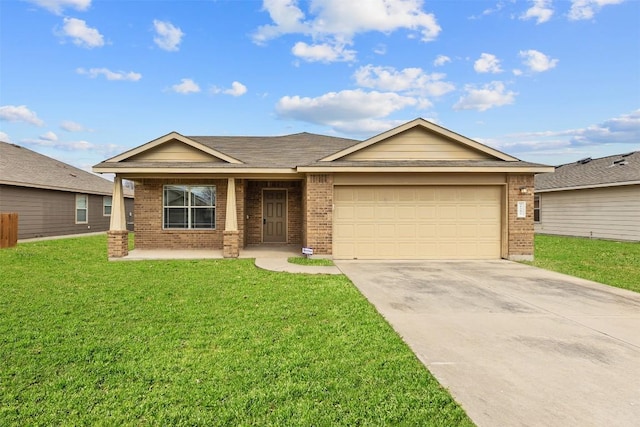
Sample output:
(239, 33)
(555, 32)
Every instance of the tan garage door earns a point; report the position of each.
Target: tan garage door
(416, 222)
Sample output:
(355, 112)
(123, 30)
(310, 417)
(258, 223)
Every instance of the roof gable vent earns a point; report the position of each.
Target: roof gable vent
(584, 161)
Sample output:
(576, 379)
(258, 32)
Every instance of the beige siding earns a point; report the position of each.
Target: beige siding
(417, 144)
(419, 179)
(174, 151)
(417, 222)
(603, 213)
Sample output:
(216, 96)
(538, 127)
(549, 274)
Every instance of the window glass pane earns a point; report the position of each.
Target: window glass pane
(175, 218)
(81, 215)
(175, 196)
(203, 218)
(81, 202)
(107, 210)
(203, 196)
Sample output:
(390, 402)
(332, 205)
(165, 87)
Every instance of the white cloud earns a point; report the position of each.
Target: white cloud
(335, 22)
(58, 6)
(19, 113)
(537, 61)
(441, 60)
(82, 35)
(70, 126)
(168, 36)
(346, 110)
(110, 75)
(487, 63)
(541, 11)
(323, 52)
(381, 49)
(186, 86)
(237, 89)
(4, 137)
(586, 9)
(409, 80)
(490, 95)
(621, 130)
(49, 136)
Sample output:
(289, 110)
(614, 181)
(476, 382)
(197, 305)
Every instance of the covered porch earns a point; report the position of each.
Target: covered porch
(251, 216)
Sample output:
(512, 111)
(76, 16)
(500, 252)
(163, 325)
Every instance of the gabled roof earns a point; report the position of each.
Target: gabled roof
(22, 167)
(432, 127)
(619, 169)
(173, 136)
(307, 152)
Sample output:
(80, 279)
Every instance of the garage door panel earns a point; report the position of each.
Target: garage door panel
(419, 222)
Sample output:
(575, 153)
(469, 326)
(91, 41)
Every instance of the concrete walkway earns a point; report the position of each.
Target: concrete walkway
(515, 345)
(267, 257)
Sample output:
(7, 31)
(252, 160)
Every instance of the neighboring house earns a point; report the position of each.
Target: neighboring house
(416, 191)
(53, 198)
(597, 198)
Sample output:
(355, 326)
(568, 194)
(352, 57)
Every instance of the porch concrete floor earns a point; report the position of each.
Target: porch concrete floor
(251, 251)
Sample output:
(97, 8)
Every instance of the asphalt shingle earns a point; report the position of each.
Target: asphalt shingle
(23, 167)
(619, 168)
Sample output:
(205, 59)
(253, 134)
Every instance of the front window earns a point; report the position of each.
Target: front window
(107, 201)
(189, 207)
(82, 208)
(536, 208)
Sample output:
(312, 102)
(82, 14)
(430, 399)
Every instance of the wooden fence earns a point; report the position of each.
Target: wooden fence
(8, 230)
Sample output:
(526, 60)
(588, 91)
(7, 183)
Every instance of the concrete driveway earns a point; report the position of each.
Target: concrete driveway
(514, 344)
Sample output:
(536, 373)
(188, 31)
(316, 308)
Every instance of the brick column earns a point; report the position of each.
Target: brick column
(230, 244)
(118, 243)
(319, 213)
(117, 236)
(520, 239)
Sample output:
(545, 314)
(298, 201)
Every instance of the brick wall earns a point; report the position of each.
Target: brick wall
(253, 208)
(520, 234)
(148, 213)
(319, 213)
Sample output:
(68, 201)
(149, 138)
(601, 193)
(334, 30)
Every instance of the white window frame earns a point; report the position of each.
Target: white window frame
(537, 209)
(85, 208)
(189, 207)
(105, 205)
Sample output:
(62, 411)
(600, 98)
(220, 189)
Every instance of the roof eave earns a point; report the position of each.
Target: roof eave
(586, 187)
(414, 169)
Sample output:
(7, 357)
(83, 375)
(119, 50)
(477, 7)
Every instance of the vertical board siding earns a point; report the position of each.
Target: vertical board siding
(8, 230)
(602, 213)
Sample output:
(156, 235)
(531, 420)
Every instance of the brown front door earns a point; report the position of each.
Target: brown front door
(274, 216)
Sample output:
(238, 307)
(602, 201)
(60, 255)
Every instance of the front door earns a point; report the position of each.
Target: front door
(274, 216)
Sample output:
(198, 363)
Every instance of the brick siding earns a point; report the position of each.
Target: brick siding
(319, 213)
(148, 213)
(254, 209)
(520, 230)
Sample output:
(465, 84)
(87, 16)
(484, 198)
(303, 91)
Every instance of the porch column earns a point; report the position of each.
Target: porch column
(118, 236)
(231, 236)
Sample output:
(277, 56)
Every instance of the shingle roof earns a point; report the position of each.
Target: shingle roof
(286, 151)
(23, 167)
(617, 169)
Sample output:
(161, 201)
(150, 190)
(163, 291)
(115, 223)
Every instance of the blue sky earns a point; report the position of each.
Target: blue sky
(546, 81)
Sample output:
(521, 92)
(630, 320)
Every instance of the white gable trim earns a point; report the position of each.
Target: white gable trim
(169, 137)
(427, 125)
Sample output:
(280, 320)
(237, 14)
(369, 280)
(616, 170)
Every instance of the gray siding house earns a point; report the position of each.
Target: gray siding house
(597, 198)
(53, 198)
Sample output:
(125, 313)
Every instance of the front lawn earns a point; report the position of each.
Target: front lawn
(84, 341)
(613, 263)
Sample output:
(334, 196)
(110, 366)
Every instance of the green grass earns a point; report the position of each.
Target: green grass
(612, 263)
(84, 341)
(301, 260)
